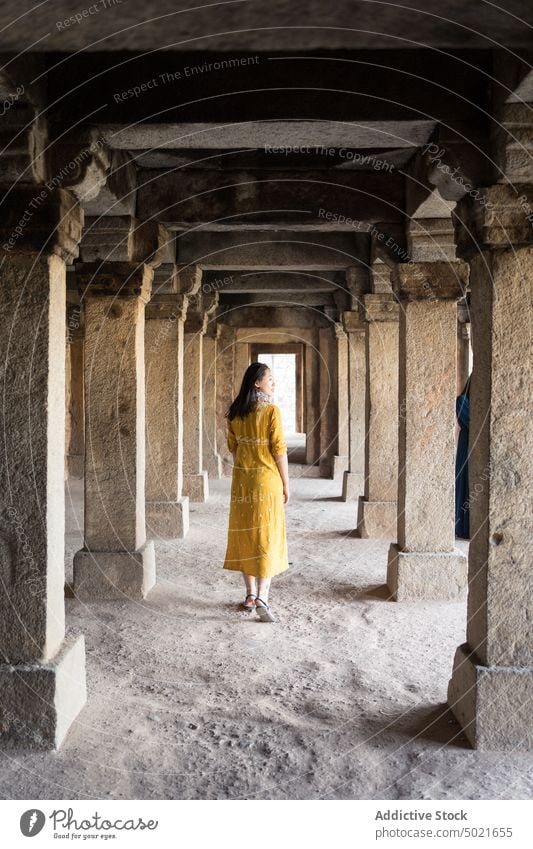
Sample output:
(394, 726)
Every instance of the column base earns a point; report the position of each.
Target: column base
(75, 465)
(376, 519)
(167, 519)
(213, 467)
(492, 703)
(353, 484)
(196, 487)
(339, 466)
(114, 575)
(40, 701)
(426, 575)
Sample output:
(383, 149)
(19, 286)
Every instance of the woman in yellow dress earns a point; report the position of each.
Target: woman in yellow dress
(257, 541)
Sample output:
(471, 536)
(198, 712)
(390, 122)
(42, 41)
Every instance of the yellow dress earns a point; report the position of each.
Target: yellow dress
(257, 541)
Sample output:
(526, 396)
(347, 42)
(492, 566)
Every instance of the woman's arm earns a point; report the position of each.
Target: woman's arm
(283, 468)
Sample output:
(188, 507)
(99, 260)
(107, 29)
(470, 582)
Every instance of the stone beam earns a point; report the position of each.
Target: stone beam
(285, 283)
(265, 250)
(180, 198)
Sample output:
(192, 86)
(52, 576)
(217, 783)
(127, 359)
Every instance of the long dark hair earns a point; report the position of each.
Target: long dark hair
(466, 388)
(246, 400)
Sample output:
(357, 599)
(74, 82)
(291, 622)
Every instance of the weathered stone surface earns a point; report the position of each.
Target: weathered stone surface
(114, 575)
(381, 398)
(196, 486)
(501, 468)
(329, 414)
(113, 559)
(376, 519)
(75, 419)
(263, 249)
(32, 446)
(495, 216)
(489, 692)
(167, 519)
(492, 703)
(353, 483)
(166, 510)
(430, 280)
(194, 475)
(42, 678)
(211, 457)
(41, 700)
(424, 575)
(121, 238)
(426, 517)
(38, 216)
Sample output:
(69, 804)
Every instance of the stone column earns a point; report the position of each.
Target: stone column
(341, 458)
(491, 690)
(328, 399)
(42, 672)
(463, 347)
(354, 478)
(167, 510)
(377, 508)
(424, 563)
(116, 561)
(74, 407)
(212, 460)
(195, 480)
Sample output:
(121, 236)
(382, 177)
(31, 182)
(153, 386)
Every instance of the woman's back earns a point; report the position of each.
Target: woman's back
(257, 438)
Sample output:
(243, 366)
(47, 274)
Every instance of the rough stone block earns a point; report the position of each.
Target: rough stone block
(167, 519)
(41, 700)
(376, 519)
(353, 485)
(492, 703)
(422, 575)
(339, 466)
(112, 575)
(196, 487)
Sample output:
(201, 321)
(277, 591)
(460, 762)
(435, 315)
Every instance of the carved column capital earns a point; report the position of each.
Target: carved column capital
(171, 306)
(419, 281)
(119, 280)
(122, 238)
(36, 220)
(81, 162)
(380, 307)
(352, 322)
(494, 217)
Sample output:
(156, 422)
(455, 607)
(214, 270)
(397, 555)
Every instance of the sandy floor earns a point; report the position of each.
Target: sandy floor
(343, 698)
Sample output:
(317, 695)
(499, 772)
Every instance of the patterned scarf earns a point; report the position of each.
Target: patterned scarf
(262, 397)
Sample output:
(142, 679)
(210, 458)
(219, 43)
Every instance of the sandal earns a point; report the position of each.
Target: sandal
(249, 607)
(263, 611)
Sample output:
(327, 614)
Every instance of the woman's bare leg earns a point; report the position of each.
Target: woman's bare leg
(251, 588)
(263, 587)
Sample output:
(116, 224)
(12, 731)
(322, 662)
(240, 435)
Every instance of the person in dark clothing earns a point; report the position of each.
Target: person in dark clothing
(462, 503)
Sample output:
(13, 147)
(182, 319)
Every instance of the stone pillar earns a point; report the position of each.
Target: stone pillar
(328, 399)
(491, 690)
(341, 458)
(463, 347)
(354, 478)
(167, 510)
(74, 407)
(116, 561)
(424, 563)
(42, 672)
(212, 460)
(195, 480)
(377, 508)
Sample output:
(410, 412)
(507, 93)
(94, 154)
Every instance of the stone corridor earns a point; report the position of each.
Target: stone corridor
(190, 698)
